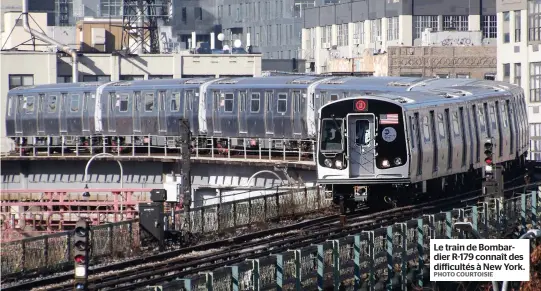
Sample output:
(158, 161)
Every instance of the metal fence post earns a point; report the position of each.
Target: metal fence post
(279, 272)
(420, 250)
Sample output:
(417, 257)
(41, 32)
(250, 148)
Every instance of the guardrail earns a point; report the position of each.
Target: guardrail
(121, 239)
(397, 255)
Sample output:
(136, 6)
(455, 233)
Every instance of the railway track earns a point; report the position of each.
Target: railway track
(204, 257)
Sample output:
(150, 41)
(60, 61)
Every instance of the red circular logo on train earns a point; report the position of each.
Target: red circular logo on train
(360, 105)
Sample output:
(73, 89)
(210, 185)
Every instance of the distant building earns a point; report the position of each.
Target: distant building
(445, 39)
(519, 57)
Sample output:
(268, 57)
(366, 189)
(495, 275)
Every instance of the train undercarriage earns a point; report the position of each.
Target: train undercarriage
(349, 197)
(200, 145)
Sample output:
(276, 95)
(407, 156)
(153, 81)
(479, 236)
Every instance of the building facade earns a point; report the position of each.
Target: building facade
(519, 57)
(353, 29)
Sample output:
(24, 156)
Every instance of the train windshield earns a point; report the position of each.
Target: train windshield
(331, 135)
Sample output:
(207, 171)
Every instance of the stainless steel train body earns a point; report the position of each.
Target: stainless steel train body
(430, 138)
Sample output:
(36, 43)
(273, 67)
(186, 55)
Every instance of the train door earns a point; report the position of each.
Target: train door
(188, 105)
(217, 102)
(296, 113)
(269, 116)
(137, 112)
(162, 122)
(62, 113)
(361, 144)
(512, 130)
(111, 116)
(41, 109)
(243, 126)
(86, 116)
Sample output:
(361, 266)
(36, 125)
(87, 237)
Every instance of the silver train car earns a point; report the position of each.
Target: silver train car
(428, 140)
(127, 112)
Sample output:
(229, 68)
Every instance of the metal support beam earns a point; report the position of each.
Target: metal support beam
(185, 167)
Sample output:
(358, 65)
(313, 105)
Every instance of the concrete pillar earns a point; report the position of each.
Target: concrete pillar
(334, 35)
(351, 46)
(405, 26)
(474, 22)
(384, 27)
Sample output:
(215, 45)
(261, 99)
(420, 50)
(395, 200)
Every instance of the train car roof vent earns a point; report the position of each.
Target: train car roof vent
(399, 84)
(452, 94)
(196, 81)
(120, 84)
(91, 84)
(308, 80)
(339, 80)
(403, 100)
(228, 81)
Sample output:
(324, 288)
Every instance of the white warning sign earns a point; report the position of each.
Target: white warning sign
(479, 260)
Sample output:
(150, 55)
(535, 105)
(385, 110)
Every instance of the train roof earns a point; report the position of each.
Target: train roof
(56, 87)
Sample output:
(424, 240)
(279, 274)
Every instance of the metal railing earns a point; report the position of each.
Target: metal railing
(397, 255)
(121, 239)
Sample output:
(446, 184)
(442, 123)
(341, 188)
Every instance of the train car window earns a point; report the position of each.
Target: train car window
(334, 97)
(190, 98)
(297, 101)
(85, 101)
(282, 103)
(175, 101)
(441, 126)
(323, 98)
(242, 101)
(52, 104)
(149, 102)
(10, 105)
(216, 101)
(456, 124)
(362, 132)
(254, 103)
(461, 124)
(268, 101)
(137, 101)
(426, 129)
(161, 100)
(74, 103)
(123, 103)
(228, 102)
(492, 116)
(412, 133)
(482, 120)
(30, 100)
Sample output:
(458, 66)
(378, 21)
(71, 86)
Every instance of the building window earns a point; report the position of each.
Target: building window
(342, 34)
(392, 29)
(535, 144)
(20, 80)
(198, 13)
(517, 74)
(150, 77)
(63, 79)
(423, 22)
(131, 77)
(458, 23)
(534, 20)
(489, 26)
(535, 82)
(358, 32)
(96, 78)
(376, 30)
(184, 15)
(505, 25)
(110, 8)
(506, 72)
(517, 26)
(326, 36)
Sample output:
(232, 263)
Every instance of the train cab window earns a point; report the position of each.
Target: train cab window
(228, 102)
(149, 102)
(362, 132)
(426, 129)
(10, 105)
(331, 135)
(175, 101)
(242, 102)
(52, 104)
(74, 103)
(282, 103)
(456, 124)
(30, 100)
(254, 103)
(124, 103)
(493, 116)
(334, 97)
(441, 126)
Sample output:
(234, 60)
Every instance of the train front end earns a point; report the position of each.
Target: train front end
(362, 154)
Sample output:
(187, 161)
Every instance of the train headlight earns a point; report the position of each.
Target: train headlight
(339, 165)
(385, 163)
(398, 161)
(328, 163)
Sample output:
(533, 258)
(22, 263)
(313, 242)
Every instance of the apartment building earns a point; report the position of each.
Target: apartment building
(364, 31)
(519, 57)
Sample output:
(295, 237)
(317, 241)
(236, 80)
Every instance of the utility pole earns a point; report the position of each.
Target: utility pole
(185, 166)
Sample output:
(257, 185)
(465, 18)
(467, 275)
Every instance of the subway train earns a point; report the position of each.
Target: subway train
(390, 147)
(222, 110)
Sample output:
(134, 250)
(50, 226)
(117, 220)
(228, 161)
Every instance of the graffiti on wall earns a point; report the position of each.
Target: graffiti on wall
(454, 41)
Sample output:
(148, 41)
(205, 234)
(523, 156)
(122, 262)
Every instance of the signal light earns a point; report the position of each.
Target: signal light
(489, 146)
(81, 248)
